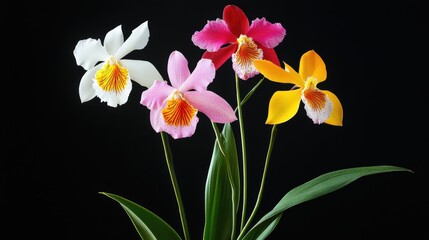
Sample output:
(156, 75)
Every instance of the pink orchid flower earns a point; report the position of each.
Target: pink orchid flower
(233, 37)
(174, 108)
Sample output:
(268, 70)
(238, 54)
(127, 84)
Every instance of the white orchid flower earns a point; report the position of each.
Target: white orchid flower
(108, 76)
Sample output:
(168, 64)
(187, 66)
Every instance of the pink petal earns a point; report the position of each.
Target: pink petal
(236, 19)
(214, 35)
(159, 125)
(201, 77)
(266, 33)
(154, 96)
(177, 69)
(212, 105)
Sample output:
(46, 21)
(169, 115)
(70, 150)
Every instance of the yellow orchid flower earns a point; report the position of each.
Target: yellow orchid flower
(322, 106)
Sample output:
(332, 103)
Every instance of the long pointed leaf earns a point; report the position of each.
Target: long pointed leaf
(221, 194)
(148, 225)
(312, 189)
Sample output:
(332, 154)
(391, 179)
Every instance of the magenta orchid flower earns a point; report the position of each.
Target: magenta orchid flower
(233, 37)
(174, 108)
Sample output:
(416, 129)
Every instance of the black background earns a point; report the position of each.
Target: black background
(59, 152)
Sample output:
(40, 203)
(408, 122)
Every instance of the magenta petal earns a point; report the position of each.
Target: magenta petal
(154, 96)
(212, 105)
(201, 77)
(177, 68)
(266, 33)
(214, 35)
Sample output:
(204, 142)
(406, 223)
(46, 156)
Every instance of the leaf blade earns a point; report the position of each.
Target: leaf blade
(317, 187)
(148, 225)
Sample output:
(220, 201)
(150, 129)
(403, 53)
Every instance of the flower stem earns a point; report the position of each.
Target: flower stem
(243, 151)
(169, 160)
(261, 188)
(250, 93)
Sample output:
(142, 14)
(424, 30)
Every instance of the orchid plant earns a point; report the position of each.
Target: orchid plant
(174, 106)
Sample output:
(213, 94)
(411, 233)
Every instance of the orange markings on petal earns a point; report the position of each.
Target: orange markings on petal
(247, 51)
(315, 98)
(178, 111)
(112, 76)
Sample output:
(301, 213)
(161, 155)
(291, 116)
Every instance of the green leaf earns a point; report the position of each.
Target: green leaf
(148, 225)
(222, 191)
(322, 185)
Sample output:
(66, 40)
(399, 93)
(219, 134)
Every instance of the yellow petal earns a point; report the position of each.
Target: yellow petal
(283, 106)
(277, 74)
(312, 65)
(336, 117)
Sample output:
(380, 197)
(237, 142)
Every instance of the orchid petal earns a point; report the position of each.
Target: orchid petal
(156, 119)
(86, 91)
(283, 106)
(213, 36)
(154, 96)
(336, 117)
(221, 56)
(269, 54)
(181, 131)
(137, 40)
(142, 72)
(312, 65)
(212, 105)
(276, 73)
(201, 77)
(317, 105)
(159, 125)
(266, 33)
(236, 19)
(177, 68)
(114, 40)
(113, 98)
(88, 52)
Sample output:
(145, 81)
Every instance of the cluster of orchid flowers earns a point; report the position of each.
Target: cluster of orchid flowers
(174, 105)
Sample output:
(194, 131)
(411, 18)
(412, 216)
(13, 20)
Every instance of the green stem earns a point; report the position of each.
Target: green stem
(220, 142)
(169, 160)
(250, 93)
(261, 189)
(243, 151)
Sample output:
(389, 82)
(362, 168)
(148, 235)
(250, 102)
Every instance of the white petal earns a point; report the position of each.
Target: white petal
(88, 52)
(142, 72)
(136, 41)
(113, 98)
(114, 40)
(318, 116)
(86, 91)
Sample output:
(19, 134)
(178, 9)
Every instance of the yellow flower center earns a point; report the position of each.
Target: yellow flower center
(247, 51)
(178, 111)
(112, 76)
(315, 98)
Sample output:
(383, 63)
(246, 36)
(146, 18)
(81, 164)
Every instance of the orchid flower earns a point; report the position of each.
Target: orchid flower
(173, 109)
(108, 76)
(232, 37)
(322, 106)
